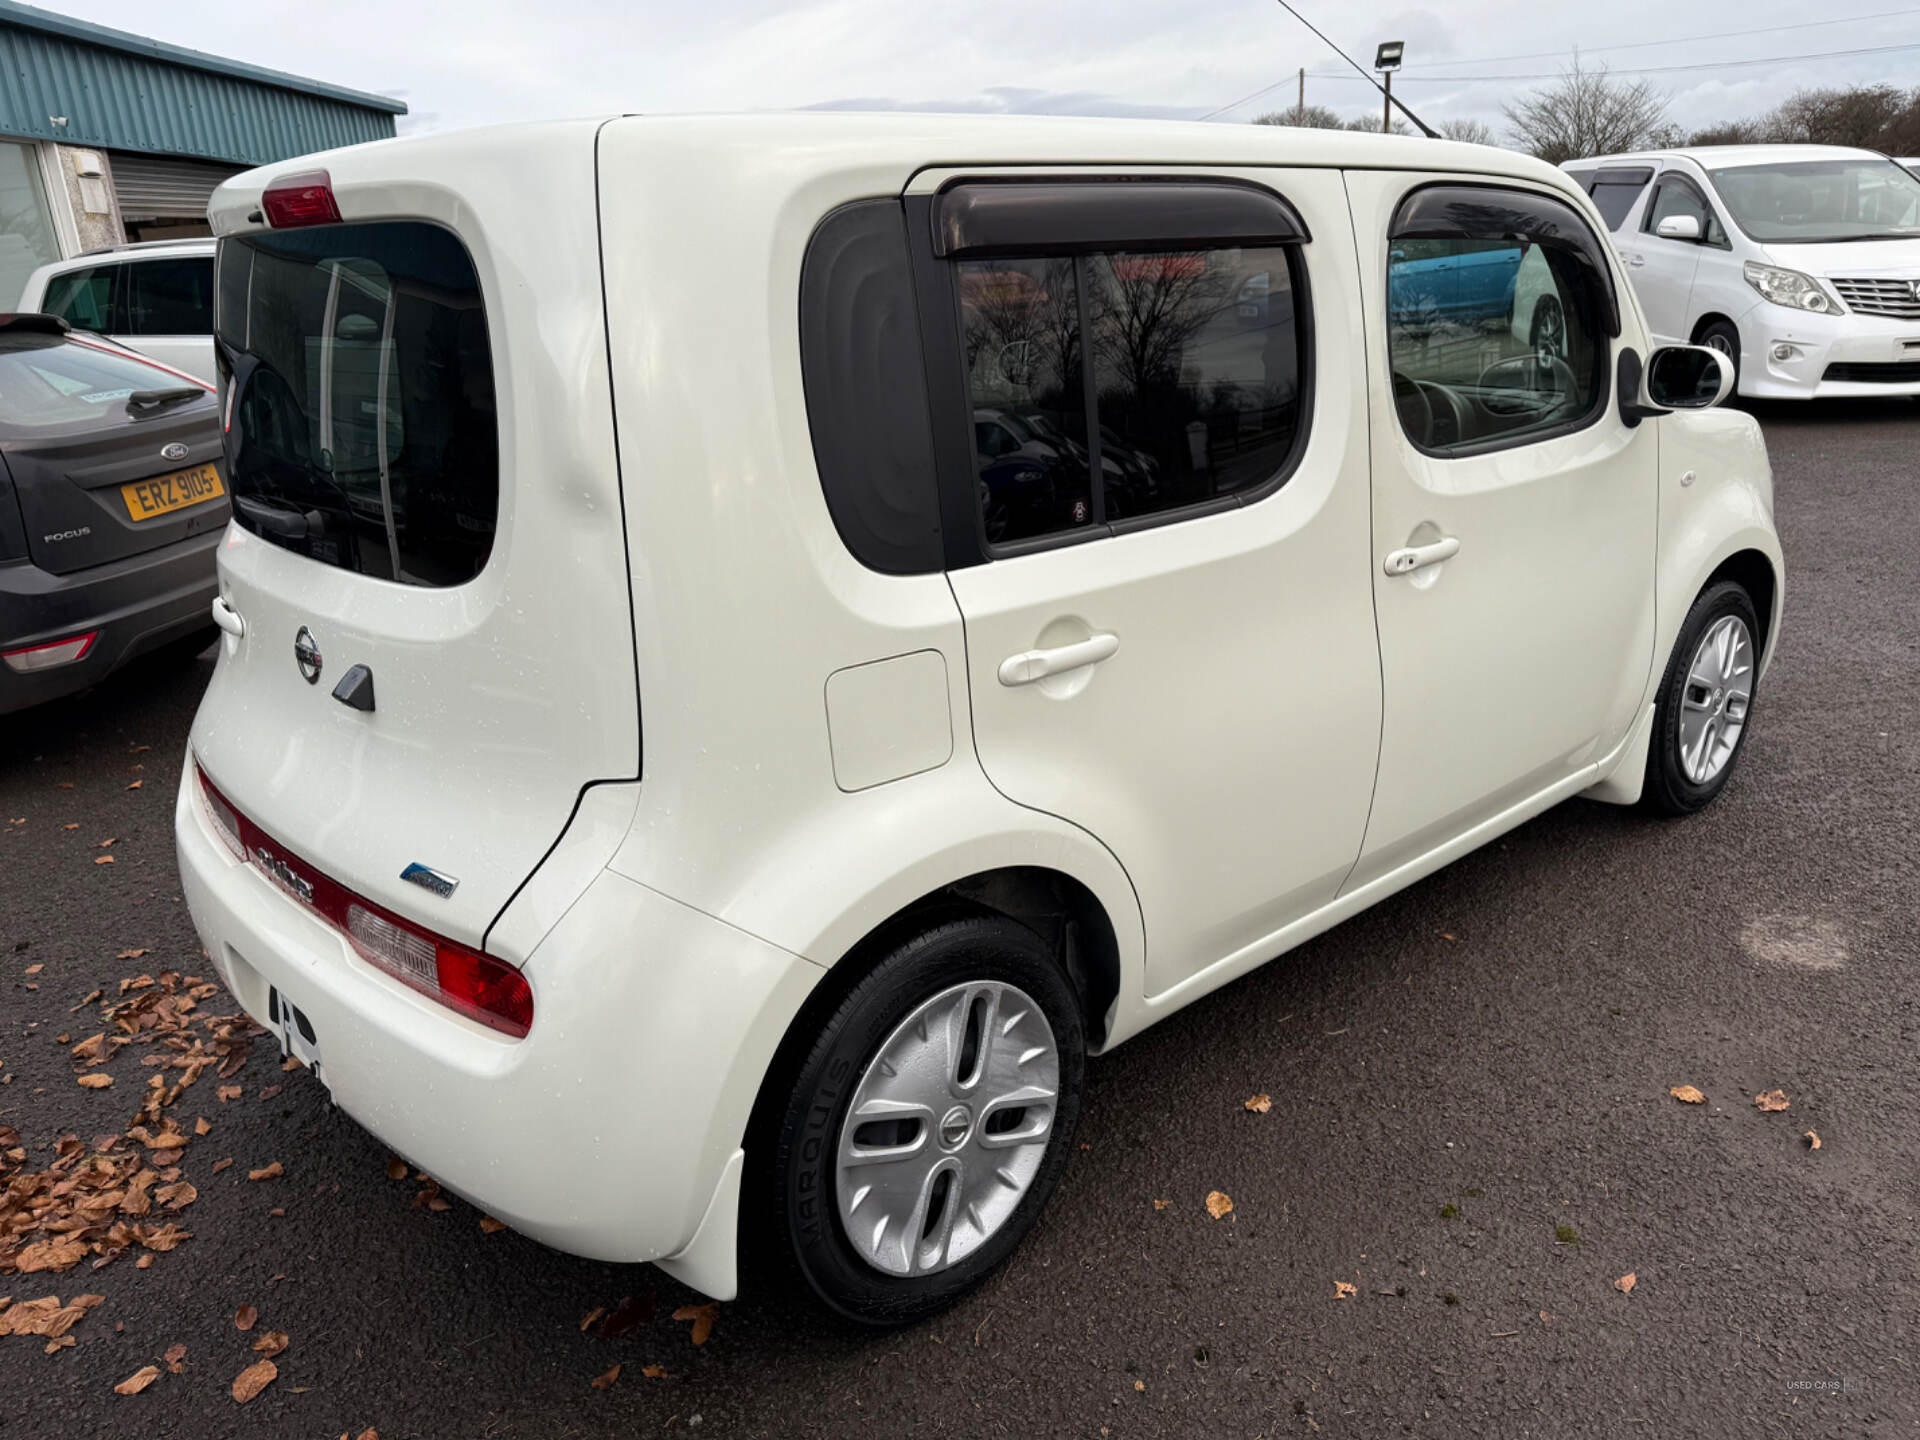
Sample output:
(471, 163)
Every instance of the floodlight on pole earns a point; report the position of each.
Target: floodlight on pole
(1387, 60)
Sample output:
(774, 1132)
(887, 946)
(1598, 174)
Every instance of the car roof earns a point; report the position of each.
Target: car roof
(814, 141)
(147, 249)
(1724, 157)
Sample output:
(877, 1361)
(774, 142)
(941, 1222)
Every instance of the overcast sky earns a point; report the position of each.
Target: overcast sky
(469, 62)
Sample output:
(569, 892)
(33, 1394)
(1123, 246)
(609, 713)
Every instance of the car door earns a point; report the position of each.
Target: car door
(1663, 269)
(1180, 658)
(165, 310)
(1513, 517)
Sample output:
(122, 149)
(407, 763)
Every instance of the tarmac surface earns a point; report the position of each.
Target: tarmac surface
(1471, 1126)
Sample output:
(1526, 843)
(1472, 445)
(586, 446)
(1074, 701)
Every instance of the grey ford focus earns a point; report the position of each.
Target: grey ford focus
(112, 501)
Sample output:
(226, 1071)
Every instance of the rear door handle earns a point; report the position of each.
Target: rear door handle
(1031, 665)
(228, 618)
(1636, 258)
(1405, 562)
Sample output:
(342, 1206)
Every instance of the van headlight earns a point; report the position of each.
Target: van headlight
(1791, 289)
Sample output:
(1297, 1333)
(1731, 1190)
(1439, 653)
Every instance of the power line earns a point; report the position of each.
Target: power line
(1603, 49)
(1648, 70)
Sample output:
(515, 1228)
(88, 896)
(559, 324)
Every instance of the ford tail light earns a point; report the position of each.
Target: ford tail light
(477, 985)
(303, 199)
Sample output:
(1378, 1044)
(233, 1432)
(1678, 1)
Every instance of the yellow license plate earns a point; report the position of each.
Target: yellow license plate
(166, 493)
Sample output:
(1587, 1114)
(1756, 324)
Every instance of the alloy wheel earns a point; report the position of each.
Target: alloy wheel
(1715, 699)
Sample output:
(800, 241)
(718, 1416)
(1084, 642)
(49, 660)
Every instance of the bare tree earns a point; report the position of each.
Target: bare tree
(1585, 112)
(1468, 131)
(1313, 117)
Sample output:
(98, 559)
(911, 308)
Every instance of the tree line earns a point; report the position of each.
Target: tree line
(1587, 111)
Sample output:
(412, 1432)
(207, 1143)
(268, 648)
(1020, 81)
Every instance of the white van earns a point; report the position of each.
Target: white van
(155, 296)
(755, 645)
(1801, 263)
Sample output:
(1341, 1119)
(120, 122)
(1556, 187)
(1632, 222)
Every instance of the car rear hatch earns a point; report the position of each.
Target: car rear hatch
(420, 449)
(110, 455)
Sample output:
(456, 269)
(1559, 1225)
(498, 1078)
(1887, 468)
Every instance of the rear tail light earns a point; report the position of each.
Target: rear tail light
(303, 199)
(478, 986)
(55, 652)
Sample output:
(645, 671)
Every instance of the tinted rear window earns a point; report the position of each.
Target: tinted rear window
(363, 431)
(83, 298)
(169, 297)
(47, 382)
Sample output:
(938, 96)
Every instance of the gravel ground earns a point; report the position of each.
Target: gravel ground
(1470, 1125)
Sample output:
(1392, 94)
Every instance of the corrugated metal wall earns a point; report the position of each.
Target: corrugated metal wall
(125, 102)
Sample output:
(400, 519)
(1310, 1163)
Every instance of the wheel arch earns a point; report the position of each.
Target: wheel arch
(1753, 571)
(1710, 319)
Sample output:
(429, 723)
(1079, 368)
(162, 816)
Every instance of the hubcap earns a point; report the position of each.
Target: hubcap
(947, 1128)
(1716, 698)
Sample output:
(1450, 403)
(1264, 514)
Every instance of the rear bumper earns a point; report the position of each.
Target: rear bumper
(612, 1130)
(137, 605)
(1821, 342)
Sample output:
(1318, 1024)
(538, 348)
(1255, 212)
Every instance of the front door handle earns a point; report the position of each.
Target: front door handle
(1031, 665)
(228, 618)
(1636, 259)
(1405, 562)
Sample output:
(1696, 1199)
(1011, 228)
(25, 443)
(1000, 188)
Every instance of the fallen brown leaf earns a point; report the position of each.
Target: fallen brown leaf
(396, 1168)
(1260, 1104)
(1161, 1204)
(244, 1317)
(438, 1205)
(1139, 1387)
(1626, 1283)
(202, 1125)
(702, 1317)
(271, 1343)
(1687, 1093)
(625, 1316)
(176, 1196)
(592, 1315)
(103, 859)
(129, 954)
(602, 1382)
(34, 969)
(1812, 1138)
(491, 1226)
(227, 1092)
(176, 1358)
(1343, 1291)
(654, 1372)
(266, 1172)
(1773, 1100)
(136, 785)
(1219, 1203)
(220, 1165)
(138, 1381)
(252, 1380)
(96, 1081)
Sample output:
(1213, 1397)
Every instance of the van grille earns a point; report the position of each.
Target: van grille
(1880, 297)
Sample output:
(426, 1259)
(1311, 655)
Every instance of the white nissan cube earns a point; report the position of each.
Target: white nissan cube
(755, 646)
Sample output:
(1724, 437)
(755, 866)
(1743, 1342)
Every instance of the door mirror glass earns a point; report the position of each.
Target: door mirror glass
(1688, 377)
(1680, 227)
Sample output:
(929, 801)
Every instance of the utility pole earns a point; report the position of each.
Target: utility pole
(1300, 110)
(1386, 109)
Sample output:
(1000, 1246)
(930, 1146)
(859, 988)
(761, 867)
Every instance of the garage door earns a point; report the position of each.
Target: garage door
(165, 199)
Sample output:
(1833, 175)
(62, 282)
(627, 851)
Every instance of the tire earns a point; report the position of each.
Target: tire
(973, 968)
(1722, 336)
(1683, 775)
(1548, 333)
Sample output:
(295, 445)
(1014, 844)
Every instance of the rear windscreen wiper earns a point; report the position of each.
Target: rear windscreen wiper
(148, 402)
(272, 517)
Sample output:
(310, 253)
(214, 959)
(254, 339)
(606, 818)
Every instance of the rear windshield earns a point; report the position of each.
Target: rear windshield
(48, 382)
(362, 429)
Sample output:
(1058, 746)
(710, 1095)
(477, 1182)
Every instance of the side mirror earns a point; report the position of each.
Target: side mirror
(1679, 227)
(1688, 377)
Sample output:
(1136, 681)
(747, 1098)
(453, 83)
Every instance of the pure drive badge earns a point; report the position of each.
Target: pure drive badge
(427, 878)
(306, 654)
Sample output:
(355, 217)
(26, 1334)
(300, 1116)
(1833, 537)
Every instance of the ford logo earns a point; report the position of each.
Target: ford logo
(175, 451)
(306, 654)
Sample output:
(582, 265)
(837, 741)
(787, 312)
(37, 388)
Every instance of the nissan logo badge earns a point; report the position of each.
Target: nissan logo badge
(175, 451)
(306, 654)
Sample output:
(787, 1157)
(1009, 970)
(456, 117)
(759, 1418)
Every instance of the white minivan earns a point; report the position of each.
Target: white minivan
(154, 296)
(754, 646)
(1800, 263)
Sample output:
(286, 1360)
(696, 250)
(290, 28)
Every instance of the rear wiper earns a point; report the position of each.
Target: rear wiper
(150, 402)
(278, 518)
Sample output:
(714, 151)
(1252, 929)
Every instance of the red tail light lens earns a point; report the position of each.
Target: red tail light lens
(53, 653)
(478, 986)
(303, 199)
